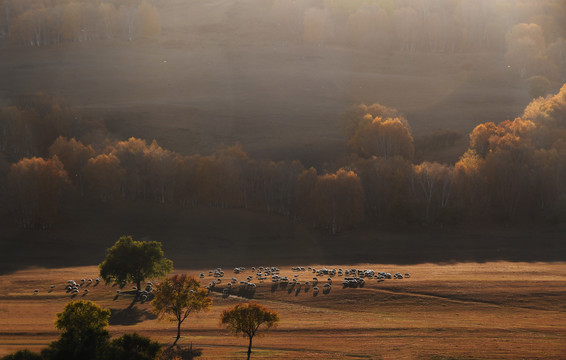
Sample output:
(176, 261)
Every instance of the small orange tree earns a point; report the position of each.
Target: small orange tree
(246, 319)
(178, 296)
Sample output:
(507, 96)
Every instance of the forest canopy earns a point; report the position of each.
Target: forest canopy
(512, 171)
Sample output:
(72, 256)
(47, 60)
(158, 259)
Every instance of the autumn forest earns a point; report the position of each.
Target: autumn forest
(511, 170)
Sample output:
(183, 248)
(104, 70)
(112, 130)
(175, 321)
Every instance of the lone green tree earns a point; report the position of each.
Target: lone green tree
(83, 332)
(177, 297)
(247, 318)
(134, 261)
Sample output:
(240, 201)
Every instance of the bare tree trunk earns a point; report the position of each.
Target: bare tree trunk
(250, 348)
(179, 334)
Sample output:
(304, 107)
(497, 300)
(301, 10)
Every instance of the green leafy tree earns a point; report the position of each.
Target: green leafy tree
(132, 347)
(83, 334)
(23, 355)
(247, 318)
(177, 297)
(134, 261)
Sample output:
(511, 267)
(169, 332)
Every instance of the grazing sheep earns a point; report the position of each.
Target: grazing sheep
(36, 291)
(117, 291)
(86, 291)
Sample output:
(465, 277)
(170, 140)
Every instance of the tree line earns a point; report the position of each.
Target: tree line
(531, 32)
(512, 171)
(48, 22)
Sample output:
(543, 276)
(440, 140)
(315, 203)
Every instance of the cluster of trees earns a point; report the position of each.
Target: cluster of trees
(379, 180)
(530, 54)
(48, 22)
(83, 323)
(532, 31)
(416, 25)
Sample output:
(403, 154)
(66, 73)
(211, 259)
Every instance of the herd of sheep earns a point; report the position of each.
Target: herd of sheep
(73, 288)
(322, 279)
(303, 278)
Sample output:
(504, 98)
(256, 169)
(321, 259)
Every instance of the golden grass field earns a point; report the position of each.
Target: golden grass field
(494, 310)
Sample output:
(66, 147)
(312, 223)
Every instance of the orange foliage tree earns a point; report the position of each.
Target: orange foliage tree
(177, 297)
(247, 319)
(376, 130)
(74, 155)
(35, 185)
(387, 188)
(336, 200)
(104, 177)
(32, 123)
(219, 177)
(470, 184)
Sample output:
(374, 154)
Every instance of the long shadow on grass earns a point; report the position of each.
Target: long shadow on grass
(130, 316)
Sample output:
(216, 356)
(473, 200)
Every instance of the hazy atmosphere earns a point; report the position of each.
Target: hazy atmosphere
(417, 137)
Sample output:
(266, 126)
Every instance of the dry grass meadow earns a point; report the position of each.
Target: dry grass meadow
(494, 310)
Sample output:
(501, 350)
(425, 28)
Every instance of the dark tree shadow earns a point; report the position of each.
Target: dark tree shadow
(179, 352)
(130, 316)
